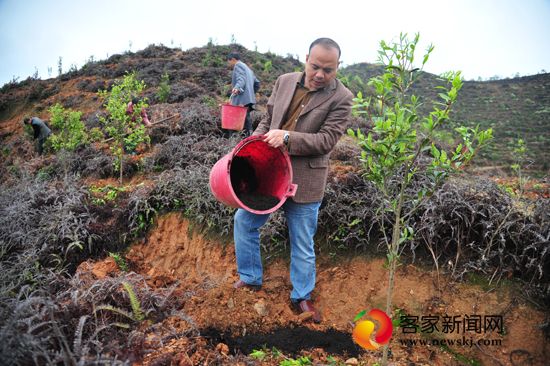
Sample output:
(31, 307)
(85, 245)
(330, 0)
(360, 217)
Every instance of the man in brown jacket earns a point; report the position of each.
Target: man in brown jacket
(307, 113)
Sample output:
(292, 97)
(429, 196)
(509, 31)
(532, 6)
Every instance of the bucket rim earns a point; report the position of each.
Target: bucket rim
(245, 142)
(285, 155)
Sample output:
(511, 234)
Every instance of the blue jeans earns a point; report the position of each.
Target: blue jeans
(302, 224)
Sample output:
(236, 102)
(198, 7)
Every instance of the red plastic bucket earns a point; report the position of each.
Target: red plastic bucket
(254, 176)
(233, 117)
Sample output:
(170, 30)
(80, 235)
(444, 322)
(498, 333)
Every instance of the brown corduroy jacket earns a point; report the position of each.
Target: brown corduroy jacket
(320, 125)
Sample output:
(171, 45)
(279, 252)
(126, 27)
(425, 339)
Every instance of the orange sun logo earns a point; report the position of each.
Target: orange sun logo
(363, 330)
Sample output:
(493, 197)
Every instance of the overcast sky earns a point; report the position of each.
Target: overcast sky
(480, 37)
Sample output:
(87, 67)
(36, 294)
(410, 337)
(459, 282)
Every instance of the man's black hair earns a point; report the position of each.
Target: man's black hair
(234, 55)
(327, 43)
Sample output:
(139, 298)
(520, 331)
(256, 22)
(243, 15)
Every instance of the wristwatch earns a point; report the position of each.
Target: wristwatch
(286, 138)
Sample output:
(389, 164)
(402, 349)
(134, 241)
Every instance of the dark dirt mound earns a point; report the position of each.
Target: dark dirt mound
(291, 341)
(258, 202)
(245, 185)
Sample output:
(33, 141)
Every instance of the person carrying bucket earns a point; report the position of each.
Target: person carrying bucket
(308, 112)
(244, 86)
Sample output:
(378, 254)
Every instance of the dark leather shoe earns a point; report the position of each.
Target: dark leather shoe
(241, 284)
(306, 306)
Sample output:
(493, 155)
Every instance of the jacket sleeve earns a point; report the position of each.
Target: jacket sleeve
(323, 141)
(265, 123)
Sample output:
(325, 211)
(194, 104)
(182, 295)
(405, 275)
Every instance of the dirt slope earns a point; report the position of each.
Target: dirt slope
(234, 322)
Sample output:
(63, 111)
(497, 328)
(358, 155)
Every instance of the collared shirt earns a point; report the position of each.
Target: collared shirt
(301, 97)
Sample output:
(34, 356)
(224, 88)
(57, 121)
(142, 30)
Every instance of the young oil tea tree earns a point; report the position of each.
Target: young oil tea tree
(125, 130)
(69, 130)
(401, 146)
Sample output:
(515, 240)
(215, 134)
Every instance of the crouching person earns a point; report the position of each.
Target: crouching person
(41, 132)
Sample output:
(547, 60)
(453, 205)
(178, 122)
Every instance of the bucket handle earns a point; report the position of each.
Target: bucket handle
(292, 190)
(231, 101)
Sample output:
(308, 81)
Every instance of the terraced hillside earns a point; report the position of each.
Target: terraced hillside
(514, 108)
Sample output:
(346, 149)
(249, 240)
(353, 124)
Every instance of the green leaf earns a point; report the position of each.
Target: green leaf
(443, 96)
(435, 152)
(258, 354)
(443, 157)
(360, 315)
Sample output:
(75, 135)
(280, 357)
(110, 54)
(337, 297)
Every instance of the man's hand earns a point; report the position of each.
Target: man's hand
(274, 138)
(235, 91)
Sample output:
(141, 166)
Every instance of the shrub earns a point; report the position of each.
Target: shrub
(55, 325)
(87, 161)
(164, 88)
(42, 225)
(200, 119)
(184, 150)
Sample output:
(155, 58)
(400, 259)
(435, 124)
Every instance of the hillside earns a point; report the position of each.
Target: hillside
(514, 108)
(198, 73)
(140, 272)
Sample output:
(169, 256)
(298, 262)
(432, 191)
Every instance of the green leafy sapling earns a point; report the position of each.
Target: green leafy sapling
(402, 143)
(126, 130)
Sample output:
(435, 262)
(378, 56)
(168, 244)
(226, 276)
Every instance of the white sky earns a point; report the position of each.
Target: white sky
(480, 37)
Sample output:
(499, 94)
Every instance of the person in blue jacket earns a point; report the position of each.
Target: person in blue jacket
(244, 87)
(41, 132)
